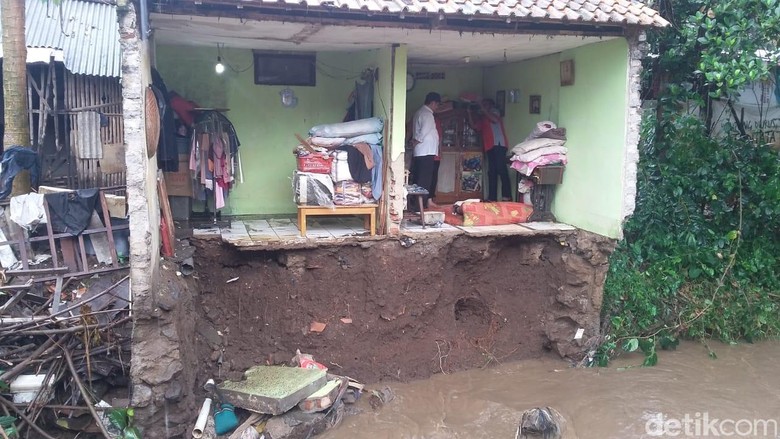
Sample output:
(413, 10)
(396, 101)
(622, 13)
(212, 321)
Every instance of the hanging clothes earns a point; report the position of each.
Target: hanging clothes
(214, 157)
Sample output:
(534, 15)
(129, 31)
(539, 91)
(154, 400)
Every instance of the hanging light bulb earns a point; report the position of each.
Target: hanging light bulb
(219, 67)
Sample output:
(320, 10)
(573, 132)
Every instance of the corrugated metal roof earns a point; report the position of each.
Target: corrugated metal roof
(86, 32)
(628, 12)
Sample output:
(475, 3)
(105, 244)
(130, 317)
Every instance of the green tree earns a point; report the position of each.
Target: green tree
(699, 258)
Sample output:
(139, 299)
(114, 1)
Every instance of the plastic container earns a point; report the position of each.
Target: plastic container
(316, 163)
(25, 388)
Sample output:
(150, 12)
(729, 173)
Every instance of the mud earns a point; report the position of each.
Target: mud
(395, 313)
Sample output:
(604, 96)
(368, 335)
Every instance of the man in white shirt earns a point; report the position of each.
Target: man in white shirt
(425, 137)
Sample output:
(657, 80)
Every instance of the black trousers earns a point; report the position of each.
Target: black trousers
(497, 169)
(422, 175)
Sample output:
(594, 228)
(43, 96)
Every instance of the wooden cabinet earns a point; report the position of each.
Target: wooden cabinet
(462, 163)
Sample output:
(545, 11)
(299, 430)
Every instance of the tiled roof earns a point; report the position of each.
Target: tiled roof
(86, 32)
(625, 12)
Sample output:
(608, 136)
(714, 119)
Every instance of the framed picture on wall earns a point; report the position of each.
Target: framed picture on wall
(501, 102)
(567, 72)
(535, 104)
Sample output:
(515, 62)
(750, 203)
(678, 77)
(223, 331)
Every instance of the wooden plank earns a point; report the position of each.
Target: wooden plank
(165, 206)
(57, 145)
(83, 252)
(109, 231)
(68, 248)
(50, 235)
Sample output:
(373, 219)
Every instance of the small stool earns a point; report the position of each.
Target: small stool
(419, 192)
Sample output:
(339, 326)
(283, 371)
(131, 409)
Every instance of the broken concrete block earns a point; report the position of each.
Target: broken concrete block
(273, 389)
(323, 398)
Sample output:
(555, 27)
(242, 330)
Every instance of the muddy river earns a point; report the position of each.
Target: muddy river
(687, 394)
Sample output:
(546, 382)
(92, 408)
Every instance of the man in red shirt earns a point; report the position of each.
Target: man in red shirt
(494, 142)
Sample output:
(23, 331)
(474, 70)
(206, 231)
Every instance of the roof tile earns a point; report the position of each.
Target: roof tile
(538, 12)
(572, 15)
(555, 14)
(632, 12)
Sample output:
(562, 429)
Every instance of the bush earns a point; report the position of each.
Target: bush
(700, 254)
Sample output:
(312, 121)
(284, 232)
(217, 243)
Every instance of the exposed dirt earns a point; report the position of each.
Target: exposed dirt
(439, 306)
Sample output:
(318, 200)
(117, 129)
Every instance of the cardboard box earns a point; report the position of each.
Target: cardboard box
(180, 183)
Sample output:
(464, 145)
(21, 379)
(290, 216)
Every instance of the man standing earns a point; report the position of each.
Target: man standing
(425, 138)
(495, 143)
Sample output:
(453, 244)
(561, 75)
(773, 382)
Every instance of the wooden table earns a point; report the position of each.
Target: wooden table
(369, 210)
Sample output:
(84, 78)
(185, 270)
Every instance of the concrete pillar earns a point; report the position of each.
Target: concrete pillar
(143, 204)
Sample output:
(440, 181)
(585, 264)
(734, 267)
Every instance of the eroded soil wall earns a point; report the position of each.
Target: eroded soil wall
(439, 305)
(391, 312)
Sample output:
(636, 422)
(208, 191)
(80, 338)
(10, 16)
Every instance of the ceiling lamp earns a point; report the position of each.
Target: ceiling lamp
(219, 67)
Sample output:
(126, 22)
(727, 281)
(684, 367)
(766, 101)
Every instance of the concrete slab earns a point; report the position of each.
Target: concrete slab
(273, 389)
(502, 230)
(542, 225)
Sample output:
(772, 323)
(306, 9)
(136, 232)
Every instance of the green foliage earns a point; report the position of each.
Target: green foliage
(122, 420)
(699, 258)
(8, 423)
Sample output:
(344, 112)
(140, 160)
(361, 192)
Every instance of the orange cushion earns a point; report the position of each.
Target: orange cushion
(495, 214)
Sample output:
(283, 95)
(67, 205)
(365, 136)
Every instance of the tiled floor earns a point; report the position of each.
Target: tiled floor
(285, 228)
(283, 232)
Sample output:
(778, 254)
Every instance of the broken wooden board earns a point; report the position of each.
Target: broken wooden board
(273, 389)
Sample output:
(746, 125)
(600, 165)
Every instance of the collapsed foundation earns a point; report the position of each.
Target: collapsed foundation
(392, 310)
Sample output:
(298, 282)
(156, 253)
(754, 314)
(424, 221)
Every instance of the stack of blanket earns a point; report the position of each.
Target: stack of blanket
(356, 149)
(544, 146)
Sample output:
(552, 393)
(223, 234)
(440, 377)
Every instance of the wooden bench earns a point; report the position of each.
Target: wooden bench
(369, 210)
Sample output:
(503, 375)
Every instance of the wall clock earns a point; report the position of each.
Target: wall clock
(409, 81)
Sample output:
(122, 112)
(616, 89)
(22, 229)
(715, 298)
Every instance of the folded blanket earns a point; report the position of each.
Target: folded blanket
(526, 168)
(535, 154)
(534, 144)
(327, 142)
(371, 139)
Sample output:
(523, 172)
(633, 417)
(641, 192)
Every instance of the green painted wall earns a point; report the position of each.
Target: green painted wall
(456, 80)
(265, 127)
(538, 76)
(594, 112)
(399, 94)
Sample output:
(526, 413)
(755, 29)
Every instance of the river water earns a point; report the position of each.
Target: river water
(735, 395)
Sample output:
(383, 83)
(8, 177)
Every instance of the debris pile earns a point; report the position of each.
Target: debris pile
(64, 355)
(281, 402)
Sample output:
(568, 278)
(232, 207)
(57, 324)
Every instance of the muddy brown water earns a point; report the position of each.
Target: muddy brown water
(735, 395)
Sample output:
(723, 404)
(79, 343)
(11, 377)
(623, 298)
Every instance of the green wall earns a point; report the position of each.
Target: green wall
(538, 76)
(456, 80)
(266, 128)
(594, 112)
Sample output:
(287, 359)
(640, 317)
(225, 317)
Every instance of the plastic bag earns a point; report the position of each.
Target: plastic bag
(312, 189)
(348, 129)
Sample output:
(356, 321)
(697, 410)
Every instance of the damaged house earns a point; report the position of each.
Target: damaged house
(246, 115)
(260, 80)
